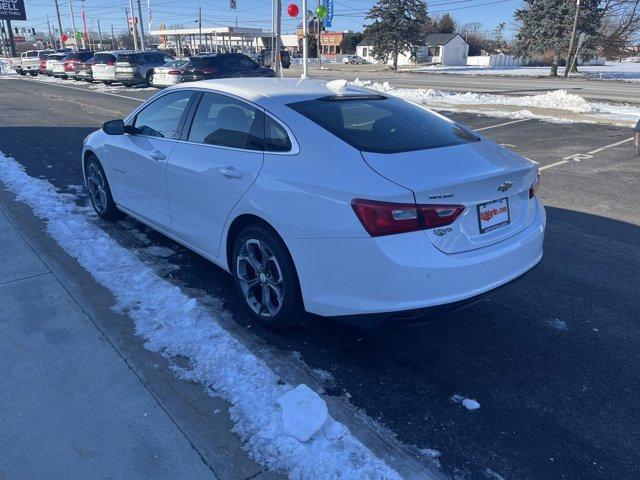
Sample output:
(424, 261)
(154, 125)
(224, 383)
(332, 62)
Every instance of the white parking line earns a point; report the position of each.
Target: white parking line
(578, 157)
(502, 124)
(86, 90)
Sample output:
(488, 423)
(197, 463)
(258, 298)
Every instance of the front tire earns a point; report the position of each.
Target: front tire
(266, 279)
(99, 191)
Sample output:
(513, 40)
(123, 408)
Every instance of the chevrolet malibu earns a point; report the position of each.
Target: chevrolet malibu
(322, 197)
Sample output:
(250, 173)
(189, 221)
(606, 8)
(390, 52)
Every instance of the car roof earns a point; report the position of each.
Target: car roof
(266, 90)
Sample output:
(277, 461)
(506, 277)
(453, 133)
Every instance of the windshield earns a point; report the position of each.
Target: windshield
(104, 58)
(375, 123)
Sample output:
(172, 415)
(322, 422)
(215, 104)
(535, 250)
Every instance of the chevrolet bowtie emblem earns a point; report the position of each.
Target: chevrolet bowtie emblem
(503, 187)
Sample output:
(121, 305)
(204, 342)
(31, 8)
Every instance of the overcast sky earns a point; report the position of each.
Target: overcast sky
(348, 14)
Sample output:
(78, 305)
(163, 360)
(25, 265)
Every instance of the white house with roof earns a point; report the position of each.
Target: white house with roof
(447, 49)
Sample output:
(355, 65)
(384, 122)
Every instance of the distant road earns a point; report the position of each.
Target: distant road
(611, 91)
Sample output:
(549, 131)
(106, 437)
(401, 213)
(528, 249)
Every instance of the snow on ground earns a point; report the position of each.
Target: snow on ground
(623, 71)
(542, 105)
(174, 324)
(97, 86)
(468, 403)
(6, 70)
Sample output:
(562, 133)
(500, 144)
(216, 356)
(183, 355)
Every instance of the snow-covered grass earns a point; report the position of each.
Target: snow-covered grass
(551, 106)
(265, 410)
(623, 71)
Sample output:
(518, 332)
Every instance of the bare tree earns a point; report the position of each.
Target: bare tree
(619, 26)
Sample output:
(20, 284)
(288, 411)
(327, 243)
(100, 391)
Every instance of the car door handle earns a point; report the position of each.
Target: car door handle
(230, 172)
(158, 155)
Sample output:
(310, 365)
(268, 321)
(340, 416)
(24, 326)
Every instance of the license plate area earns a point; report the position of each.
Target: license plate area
(493, 215)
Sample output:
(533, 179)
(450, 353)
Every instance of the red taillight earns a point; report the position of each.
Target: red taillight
(109, 63)
(43, 64)
(173, 72)
(209, 70)
(384, 218)
(533, 189)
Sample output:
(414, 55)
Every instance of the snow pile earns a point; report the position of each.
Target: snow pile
(468, 403)
(6, 69)
(265, 410)
(557, 100)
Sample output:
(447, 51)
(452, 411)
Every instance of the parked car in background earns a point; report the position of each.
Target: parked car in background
(51, 61)
(104, 67)
(169, 73)
(223, 65)
(265, 58)
(354, 60)
(69, 62)
(137, 67)
(83, 70)
(30, 63)
(333, 199)
(16, 64)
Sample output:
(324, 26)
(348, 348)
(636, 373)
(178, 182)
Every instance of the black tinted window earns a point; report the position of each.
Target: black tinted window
(161, 117)
(227, 122)
(276, 138)
(246, 63)
(104, 58)
(383, 125)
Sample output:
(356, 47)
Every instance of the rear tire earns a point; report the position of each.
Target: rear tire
(108, 82)
(266, 279)
(99, 191)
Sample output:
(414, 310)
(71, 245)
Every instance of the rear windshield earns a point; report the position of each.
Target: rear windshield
(127, 57)
(104, 58)
(44, 54)
(382, 124)
(79, 56)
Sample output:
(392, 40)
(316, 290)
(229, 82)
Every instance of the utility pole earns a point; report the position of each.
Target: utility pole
(573, 39)
(100, 36)
(113, 39)
(134, 29)
(305, 43)
(199, 30)
(59, 23)
(278, 30)
(73, 25)
(53, 40)
(141, 23)
(318, 37)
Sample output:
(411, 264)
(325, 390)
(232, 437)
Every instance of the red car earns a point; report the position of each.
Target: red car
(69, 63)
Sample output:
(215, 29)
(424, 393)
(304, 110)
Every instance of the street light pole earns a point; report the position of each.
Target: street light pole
(573, 39)
(134, 28)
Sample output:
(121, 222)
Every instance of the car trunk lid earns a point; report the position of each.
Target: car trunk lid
(472, 175)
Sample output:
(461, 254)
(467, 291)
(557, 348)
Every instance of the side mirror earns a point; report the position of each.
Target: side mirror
(636, 136)
(113, 127)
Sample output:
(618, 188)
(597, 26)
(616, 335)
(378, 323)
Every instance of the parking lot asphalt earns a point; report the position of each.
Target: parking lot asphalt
(551, 358)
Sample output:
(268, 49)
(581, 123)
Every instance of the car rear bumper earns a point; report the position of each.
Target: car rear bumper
(128, 77)
(165, 82)
(396, 274)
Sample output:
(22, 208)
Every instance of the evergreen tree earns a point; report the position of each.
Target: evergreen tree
(446, 24)
(546, 28)
(396, 27)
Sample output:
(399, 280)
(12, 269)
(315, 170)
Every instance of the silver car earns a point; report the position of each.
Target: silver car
(137, 67)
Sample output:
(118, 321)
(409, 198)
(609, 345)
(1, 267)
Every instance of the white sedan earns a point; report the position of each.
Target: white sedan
(354, 60)
(323, 197)
(169, 73)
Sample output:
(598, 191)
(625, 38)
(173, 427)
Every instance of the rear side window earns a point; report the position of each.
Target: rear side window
(127, 57)
(276, 137)
(382, 125)
(227, 122)
(245, 62)
(161, 117)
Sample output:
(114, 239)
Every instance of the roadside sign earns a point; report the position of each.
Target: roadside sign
(12, 10)
(327, 20)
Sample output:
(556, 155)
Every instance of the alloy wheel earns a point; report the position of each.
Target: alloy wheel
(97, 188)
(260, 277)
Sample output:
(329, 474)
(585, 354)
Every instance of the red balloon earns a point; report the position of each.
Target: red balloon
(293, 10)
(64, 37)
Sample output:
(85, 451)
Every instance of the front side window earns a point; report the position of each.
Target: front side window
(161, 117)
(375, 123)
(227, 122)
